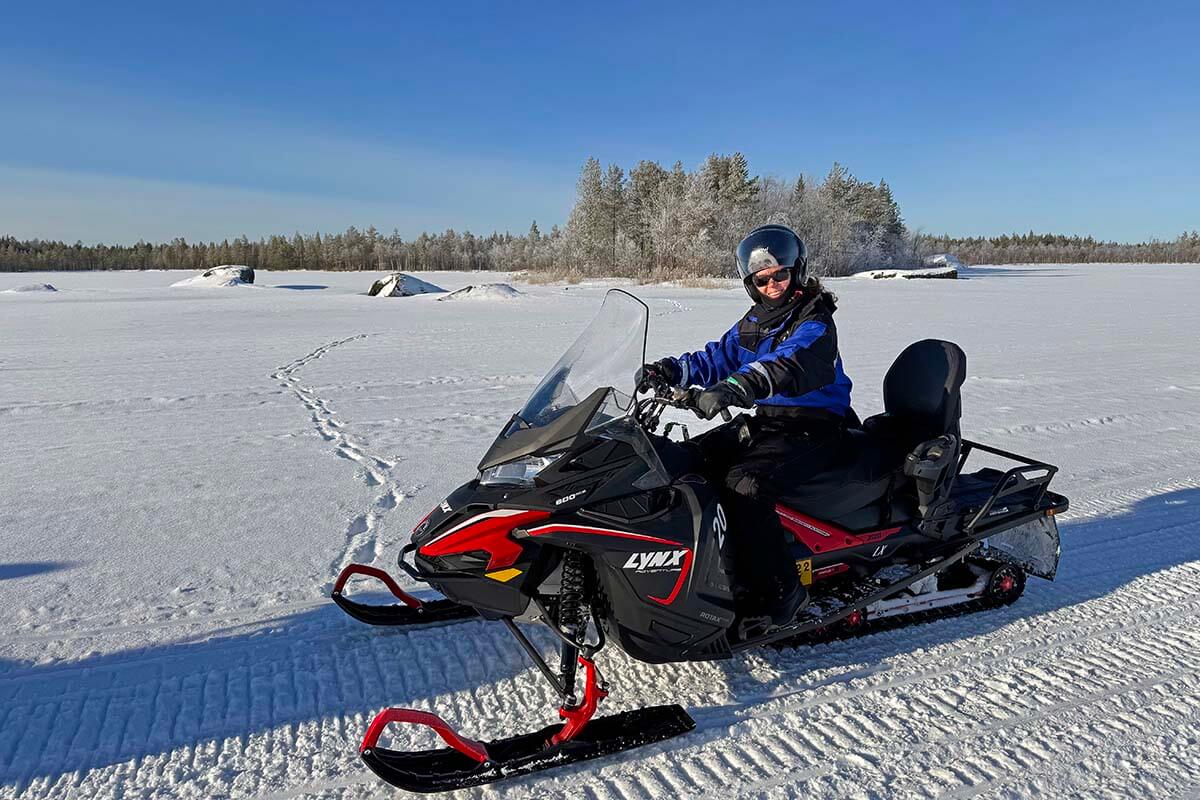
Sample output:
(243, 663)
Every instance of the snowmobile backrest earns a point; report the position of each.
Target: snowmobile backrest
(921, 390)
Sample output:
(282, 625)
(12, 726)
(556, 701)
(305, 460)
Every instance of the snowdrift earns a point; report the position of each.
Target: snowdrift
(398, 284)
(932, 272)
(31, 287)
(224, 275)
(485, 291)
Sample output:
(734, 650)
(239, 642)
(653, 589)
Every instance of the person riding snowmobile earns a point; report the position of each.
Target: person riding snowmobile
(782, 359)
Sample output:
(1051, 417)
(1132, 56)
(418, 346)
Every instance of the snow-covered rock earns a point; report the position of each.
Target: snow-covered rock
(485, 291)
(943, 260)
(224, 275)
(31, 287)
(932, 272)
(399, 284)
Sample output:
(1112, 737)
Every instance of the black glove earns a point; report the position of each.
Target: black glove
(729, 392)
(664, 372)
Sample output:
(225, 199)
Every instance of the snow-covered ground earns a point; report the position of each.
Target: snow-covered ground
(182, 474)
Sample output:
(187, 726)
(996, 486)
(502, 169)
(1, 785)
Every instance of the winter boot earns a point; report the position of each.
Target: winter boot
(784, 597)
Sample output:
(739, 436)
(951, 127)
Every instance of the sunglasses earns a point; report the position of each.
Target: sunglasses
(779, 276)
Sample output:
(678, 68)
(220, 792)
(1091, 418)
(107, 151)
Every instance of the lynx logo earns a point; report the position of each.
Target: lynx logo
(662, 559)
(570, 497)
(879, 551)
(719, 527)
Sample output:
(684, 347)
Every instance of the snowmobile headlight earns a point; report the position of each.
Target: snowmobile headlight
(520, 472)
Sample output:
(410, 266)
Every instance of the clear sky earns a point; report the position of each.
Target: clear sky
(121, 121)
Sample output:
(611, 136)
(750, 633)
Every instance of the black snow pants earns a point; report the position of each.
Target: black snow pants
(756, 460)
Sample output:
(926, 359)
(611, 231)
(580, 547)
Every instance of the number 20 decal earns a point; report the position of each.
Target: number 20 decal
(719, 527)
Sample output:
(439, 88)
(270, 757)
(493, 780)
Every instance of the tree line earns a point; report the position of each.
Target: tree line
(352, 250)
(1047, 248)
(650, 223)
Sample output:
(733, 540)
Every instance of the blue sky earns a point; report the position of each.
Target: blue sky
(208, 120)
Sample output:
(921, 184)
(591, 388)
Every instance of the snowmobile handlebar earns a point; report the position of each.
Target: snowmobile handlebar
(649, 409)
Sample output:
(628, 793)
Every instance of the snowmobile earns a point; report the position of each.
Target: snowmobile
(584, 517)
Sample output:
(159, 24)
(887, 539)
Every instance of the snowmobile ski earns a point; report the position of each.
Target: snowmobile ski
(413, 611)
(469, 763)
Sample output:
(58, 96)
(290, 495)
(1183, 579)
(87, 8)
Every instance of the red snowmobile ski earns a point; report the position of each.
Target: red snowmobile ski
(586, 519)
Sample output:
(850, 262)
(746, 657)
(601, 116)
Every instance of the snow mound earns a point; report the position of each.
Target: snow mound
(224, 275)
(485, 291)
(399, 284)
(32, 287)
(943, 260)
(932, 272)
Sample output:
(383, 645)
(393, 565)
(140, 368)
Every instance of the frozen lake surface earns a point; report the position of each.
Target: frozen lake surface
(183, 471)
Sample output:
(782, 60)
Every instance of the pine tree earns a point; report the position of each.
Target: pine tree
(586, 229)
(839, 186)
(614, 210)
(642, 198)
(739, 188)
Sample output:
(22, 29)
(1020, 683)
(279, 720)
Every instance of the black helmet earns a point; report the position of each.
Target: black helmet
(771, 246)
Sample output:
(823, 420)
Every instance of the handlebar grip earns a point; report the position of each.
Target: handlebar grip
(725, 415)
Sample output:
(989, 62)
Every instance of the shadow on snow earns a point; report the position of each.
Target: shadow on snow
(24, 570)
(107, 709)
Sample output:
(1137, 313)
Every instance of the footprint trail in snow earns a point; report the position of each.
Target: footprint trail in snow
(362, 531)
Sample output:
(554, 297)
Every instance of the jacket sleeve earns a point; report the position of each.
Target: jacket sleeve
(796, 366)
(713, 364)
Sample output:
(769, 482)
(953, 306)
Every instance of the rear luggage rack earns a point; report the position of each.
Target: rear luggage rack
(1031, 477)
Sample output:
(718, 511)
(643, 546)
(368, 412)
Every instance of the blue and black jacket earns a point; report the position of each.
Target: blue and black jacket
(787, 358)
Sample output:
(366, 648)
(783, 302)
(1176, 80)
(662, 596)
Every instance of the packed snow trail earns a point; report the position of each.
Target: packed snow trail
(173, 513)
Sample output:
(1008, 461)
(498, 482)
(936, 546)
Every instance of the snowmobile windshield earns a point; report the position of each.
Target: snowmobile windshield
(587, 393)
(606, 354)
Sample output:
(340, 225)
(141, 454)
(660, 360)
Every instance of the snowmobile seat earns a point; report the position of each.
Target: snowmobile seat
(858, 477)
(884, 474)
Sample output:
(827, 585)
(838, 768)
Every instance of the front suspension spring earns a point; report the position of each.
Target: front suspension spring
(572, 617)
(572, 600)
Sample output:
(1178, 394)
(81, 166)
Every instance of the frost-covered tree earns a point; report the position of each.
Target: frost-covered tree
(642, 193)
(587, 233)
(613, 205)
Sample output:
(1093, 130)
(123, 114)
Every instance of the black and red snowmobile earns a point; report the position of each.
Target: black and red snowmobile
(588, 520)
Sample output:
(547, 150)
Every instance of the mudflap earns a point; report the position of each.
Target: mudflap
(470, 763)
(411, 611)
(1033, 546)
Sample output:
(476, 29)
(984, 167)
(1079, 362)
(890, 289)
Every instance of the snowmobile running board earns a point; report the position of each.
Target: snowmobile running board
(412, 612)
